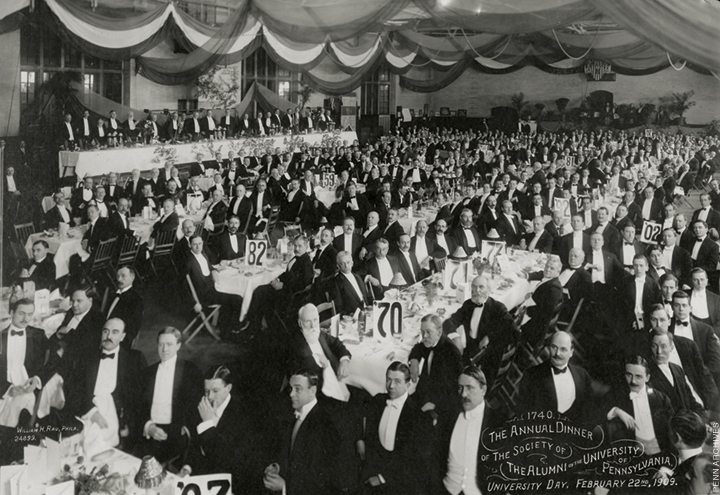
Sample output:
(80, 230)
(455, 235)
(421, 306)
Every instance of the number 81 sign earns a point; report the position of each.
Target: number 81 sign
(650, 233)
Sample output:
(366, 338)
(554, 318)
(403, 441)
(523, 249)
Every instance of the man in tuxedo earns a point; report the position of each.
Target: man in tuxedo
(610, 234)
(536, 208)
(261, 200)
(393, 229)
(707, 213)
(146, 199)
(575, 239)
(466, 235)
(545, 298)
(556, 385)
(370, 235)
(356, 205)
(182, 249)
(630, 247)
(408, 263)
(556, 227)
(324, 258)
(208, 125)
(638, 412)
(113, 192)
(307, 455)
(230, 243)
(674, 258)
(426, 249)
(172, 128)
(460, 442)
(435, 362)
(104, 389)
(227, 439)
(23, 369)
(669, 378)
(685, 353)
(539, 240)
(42, 269)
(118, 223)
(168, 220)
(605, 270)
(481, 324)
(296, 277)
(700, 333)
(84, 130)
(439, 235)
(694, 472)
(134, 187)
(576, 281)
(651, 208)
(241, 207)
(97, 232)
(192, 127)
(349, 241)
(167, 389)
(203, 276)
(396, 448)
(81, 196)
(126, 304)
(704, 251)
(215, 213)
(705, 304)
(58, 213)
(686, 237)
(351, 292)
(508, 225)
(638, 293)
(380, 269)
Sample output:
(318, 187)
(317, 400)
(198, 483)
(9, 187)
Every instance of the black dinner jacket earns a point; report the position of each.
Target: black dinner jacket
(44, 273)
(713, 218)
(707, 342)
(651, 295)
(679, 394)
(695, 369)
(116, 226)
(53, 218)
(82, 387)
(114, 194)
(537, 392)
(713, 305)
(449, 240)
(411, 274)
(618, 251)
(708, 255)
(356, 243)
(267, 201)
(100, 232)
(544, 243)
(300, 356)
(204, 285)
(327, 264)
(310, 467)
(547, 296)
(205, 125)
(392, 234)
(408, 468)
(129, 309)
(244, 211)
(187, 392)
(580, 286)
(217, 215)
(77, 343)
(434, 250)
(563, 245)
(612, 267)
(170, 223)
(368, 242)
(492, 419)
(299, 276)
(347, 300)
(438, 386)
(36, 355)
(611, 235)
(461, 240)
(222, 248)
(371, 268)
(661, 410)
(503, 227)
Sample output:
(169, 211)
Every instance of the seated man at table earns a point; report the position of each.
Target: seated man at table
(99, 201)
(23, 370)
(168, 389)
(297, 276)
(426, 248)
(435, 362)
(324, 259)
(408, 263)
(97, 231)
(540, 304)
(466, 235)
(171, 191)
(193, 195)
(351, 293)
(42, 267)
(214, 218)
(230, 244)
(80, 198)
(103, 391)
(168, 221)
(482, 322)
(380, 269)
(146, 200)
(203, 276)
(349, 241)
(126, 304)
(539, 240)
(58, 213)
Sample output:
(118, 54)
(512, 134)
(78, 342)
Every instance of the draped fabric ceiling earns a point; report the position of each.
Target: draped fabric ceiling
(349, 39)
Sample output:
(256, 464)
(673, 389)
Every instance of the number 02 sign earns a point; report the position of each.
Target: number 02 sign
(255, 252)
(208, 484)
(387, 319)
(650, 233)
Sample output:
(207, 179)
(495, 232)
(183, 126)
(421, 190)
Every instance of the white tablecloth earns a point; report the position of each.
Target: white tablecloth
(143, 228)
(370, 359)
(124, 160)
(242, 280)
(62, 249)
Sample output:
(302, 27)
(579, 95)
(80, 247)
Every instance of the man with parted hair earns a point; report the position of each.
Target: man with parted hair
(557, 385)
(307, 457)
(167, 389)
(435, 363)
(695, 470)
(351, 293)
(41, 270)
(395, 445)
(703, 250)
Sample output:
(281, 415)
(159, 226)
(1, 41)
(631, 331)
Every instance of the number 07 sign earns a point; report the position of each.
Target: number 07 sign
(208, 484)
(650, 233)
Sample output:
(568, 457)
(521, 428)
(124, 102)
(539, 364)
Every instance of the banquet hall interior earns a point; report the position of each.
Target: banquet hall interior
(218, 213)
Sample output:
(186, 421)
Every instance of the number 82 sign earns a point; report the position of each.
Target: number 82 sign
(650, 233)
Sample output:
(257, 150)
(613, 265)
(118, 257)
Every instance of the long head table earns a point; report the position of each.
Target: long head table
(145, 157)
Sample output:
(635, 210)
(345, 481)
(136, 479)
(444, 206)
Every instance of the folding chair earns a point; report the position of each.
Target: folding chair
(272, 220)
(291, 230)
(128, 252)
(325, 308)
(164, 244)
(202, 319)
(101, 262)
(23, 231)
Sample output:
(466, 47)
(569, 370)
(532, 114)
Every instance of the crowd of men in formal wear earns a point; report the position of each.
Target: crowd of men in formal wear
(648, 325)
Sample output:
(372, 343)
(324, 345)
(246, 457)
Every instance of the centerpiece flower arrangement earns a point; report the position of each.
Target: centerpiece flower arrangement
(99, 481)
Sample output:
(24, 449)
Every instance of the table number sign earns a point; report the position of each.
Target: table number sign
(650, 233)
(563, 206)
(387, 320)
(255, 252)
(207, 484)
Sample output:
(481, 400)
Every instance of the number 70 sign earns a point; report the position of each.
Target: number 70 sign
(387, 320)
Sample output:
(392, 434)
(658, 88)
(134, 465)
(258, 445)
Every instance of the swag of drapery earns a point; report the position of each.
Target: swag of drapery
(335, 37)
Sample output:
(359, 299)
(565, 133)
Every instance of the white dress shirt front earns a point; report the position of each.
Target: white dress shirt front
(698, 303)
(107, 374)
(564, 389)
(161, 409)
(389, 420)
(462, 458)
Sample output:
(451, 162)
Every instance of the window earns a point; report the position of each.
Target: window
(89, 83)
(376, 93)
(284, 89)
(261, 68)
(27, 88)
(187, 105)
